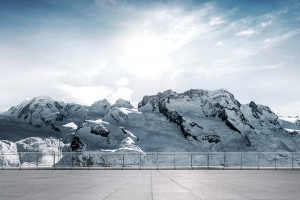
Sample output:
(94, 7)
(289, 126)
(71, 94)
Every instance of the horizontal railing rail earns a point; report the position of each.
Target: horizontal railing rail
(151, 160)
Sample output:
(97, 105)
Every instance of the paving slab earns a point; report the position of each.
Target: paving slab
(149, 184)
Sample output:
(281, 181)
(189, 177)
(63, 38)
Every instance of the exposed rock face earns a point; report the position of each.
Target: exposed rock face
(97, 135)
(214, 104)
(297, 122)
(76, 144)
(203, 107)
(212, 138)
(117, 114)
(97, 129)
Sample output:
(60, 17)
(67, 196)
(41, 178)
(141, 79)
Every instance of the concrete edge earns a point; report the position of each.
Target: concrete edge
(232, 168)
(285, 168)
(151, 168)
(200, 168)
(249, 168)
(297, 168)
(183, 168)
(11, 168)
(216, 168)
(166, 168)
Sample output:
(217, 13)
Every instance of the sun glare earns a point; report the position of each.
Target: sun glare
(147, 57)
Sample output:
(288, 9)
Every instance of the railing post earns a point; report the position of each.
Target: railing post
(72, 158)
(191, 160)
(53, 159)
(208, 160)
(20, 159)
(140, 160)
(106, 164)
(174, 162)
(37, 160)
(123, 161)
(241, 160)
(275, 161)
(157, 160)
(2, 160)
(258, 160)
(224, 159)
(292, 160)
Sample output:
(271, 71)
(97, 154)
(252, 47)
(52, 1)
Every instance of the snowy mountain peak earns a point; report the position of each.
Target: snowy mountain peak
(44, 111)
(42, 98)
(222, 91)
(167, 93)
(101, 102)
(121, 103)
(99, 108)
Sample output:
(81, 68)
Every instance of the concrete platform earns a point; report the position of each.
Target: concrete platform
(149, 184)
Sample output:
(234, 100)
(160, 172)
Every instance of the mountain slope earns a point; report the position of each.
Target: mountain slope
(196, 120)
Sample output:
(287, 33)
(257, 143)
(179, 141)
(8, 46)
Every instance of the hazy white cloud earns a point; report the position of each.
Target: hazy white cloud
(246, 33)
(216, 21)
(146, 51)
(245, 51)
(91, 70)
(123, 81)
(146, 56)
(220, 43)
(222, 67)
(264, 24)
(277, 39)
(123, 92)
(85, 95)
(176, 73)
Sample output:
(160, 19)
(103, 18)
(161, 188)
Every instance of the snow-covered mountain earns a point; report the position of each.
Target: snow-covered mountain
(43, 111)
(196, 120)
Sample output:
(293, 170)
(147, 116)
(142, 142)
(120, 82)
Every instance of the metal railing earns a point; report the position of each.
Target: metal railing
(151, 160)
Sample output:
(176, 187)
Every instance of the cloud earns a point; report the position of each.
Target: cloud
(246, 33)
(146, 56)
(244, 51)
(91, 68)
(264, 24)
(222, 67)
(146, 51)
(123, 92)
(89, 95)
(176, 73)
(277, 39)
(85, 95)
(219, 43)
(123, 81)
(216, 21)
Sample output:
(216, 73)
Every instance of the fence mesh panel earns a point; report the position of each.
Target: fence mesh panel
(151, 159)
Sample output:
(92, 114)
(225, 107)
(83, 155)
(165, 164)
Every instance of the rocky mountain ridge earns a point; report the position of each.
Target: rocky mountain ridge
(195, 120)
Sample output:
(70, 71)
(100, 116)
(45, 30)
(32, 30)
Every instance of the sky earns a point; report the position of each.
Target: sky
(85, 51)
